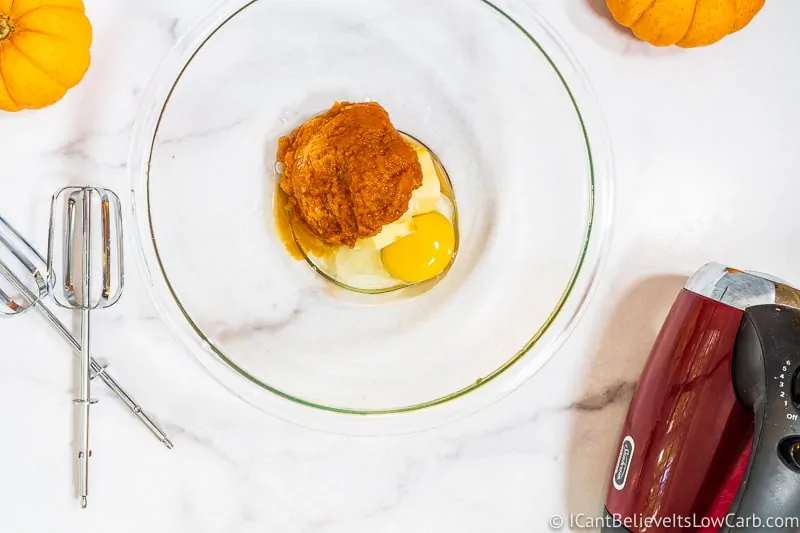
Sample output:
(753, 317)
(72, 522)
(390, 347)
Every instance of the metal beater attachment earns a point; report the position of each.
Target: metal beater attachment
(23, 285)
(16, 255)
(85, 264)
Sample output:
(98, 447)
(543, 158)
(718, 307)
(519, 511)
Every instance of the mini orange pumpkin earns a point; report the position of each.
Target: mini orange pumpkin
(44, 51)
(685, 23)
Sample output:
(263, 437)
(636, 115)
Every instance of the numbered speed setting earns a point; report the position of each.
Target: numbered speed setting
(766, 376)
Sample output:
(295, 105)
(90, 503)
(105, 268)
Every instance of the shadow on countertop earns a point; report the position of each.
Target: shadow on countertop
(608, 386)
(594, 20)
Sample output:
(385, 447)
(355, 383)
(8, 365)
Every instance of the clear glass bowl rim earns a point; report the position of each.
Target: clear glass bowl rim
(526, 362)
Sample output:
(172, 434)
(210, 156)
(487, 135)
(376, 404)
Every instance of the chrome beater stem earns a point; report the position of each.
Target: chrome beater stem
(84, 399)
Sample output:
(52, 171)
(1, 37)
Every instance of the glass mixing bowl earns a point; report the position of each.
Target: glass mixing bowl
(489, 87)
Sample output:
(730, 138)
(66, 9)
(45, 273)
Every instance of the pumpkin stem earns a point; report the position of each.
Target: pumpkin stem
(5, 27)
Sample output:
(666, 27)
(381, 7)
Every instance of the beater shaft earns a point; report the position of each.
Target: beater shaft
(84, 400)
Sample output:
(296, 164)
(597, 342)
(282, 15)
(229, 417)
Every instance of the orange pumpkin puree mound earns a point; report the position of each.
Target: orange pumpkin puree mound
(348, 172)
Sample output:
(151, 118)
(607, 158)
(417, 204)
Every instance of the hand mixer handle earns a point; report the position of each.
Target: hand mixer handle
(766, 362)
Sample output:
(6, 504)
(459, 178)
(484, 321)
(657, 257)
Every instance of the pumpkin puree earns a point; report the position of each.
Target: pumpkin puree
(348, 172)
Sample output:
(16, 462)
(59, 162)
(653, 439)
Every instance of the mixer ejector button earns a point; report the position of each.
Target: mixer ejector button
(789, 450)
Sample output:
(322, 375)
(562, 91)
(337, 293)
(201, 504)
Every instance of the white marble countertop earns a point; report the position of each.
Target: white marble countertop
(706, 152)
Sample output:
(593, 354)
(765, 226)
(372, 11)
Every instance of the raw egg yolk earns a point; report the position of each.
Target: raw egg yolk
(425, 253)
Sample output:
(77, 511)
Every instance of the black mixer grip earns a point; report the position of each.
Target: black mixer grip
(765, 363)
